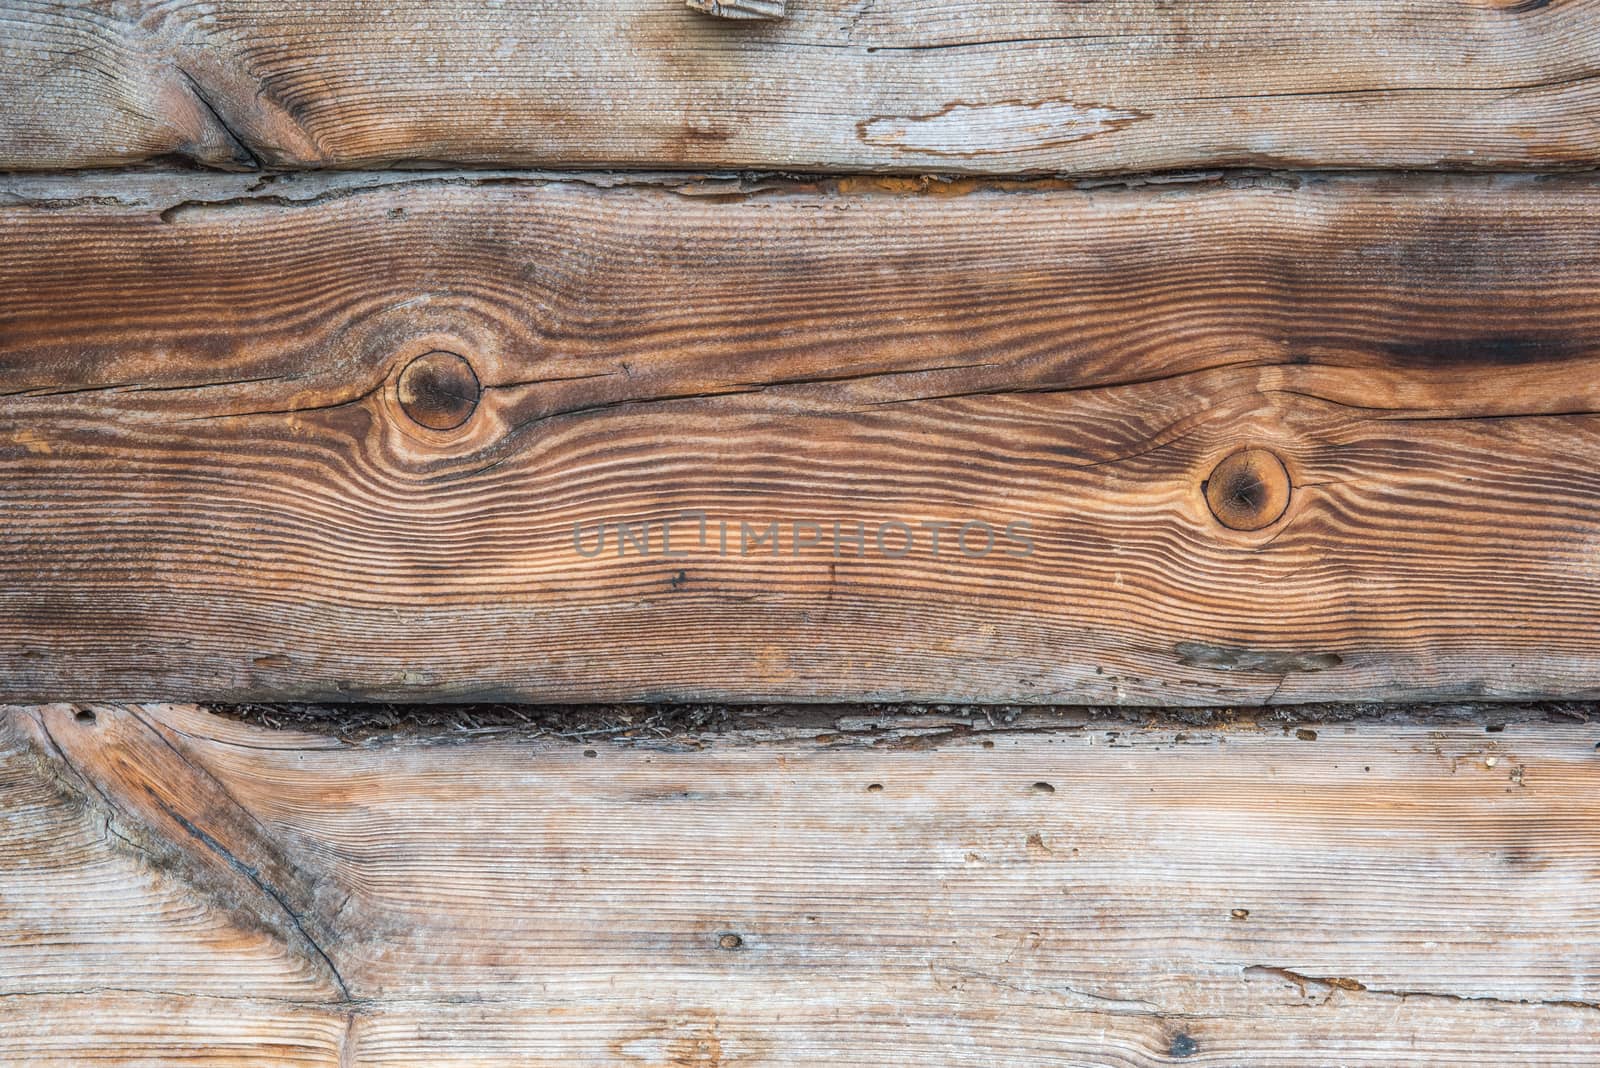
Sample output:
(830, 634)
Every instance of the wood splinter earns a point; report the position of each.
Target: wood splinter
(739, 9)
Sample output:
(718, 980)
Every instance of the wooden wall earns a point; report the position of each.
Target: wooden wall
(1262, 338)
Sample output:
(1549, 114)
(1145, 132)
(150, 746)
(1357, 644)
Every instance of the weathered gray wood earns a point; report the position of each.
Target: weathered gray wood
(738, 9)
(902, 85)
(177, 887)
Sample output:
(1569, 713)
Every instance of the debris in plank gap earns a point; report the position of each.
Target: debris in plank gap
(849, 722)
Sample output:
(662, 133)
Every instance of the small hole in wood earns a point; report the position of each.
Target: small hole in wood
(730, 941)
(85, 715)
(875, 788)
(1043, 788)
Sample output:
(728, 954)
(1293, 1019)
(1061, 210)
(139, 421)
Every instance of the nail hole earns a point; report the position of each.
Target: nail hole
(590, 753)
(84, 715)
(875, 788)
(1494, 728)
(1043, 788)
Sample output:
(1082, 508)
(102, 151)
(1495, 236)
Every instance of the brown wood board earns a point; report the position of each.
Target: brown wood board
(231, 469)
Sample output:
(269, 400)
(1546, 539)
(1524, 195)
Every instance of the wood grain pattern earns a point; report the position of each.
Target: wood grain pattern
(901, 85)
(928, 892)
(211, 488)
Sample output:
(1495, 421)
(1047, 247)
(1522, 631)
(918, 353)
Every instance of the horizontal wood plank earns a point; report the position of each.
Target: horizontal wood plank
(928, 892)
(899, 85)
(362, 445)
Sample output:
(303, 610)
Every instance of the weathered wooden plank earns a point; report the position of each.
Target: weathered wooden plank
(230, 467)
(1386, 894)
(114, 1027)
(904, 85)
(738, 9)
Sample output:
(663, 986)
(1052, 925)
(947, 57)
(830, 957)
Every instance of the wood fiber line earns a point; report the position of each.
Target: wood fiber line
(221, 477)
(1382, 894)
(895, 85)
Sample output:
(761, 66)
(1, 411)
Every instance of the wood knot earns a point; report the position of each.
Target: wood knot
(439, 390)
(1248, 490)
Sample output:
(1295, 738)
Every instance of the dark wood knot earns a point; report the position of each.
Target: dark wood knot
(439, 390)
(1248, 490)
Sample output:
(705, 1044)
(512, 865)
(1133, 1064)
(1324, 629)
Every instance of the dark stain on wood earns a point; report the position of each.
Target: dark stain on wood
(1498, 350)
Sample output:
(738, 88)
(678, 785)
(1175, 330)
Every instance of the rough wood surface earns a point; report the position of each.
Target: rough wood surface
(179, 888)
(222, 473)
(905, 85)
(739, 9)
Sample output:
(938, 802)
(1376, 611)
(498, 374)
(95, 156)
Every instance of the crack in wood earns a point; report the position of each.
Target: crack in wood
(241, 149)
(1336, 984)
